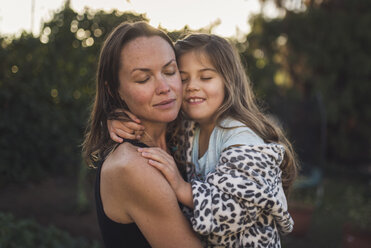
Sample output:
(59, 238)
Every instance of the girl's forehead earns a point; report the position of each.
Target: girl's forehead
(196, 56)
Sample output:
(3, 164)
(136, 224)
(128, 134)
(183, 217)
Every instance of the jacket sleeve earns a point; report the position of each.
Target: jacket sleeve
(245, 185)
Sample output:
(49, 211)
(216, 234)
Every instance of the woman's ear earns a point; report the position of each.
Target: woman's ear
(108, 89)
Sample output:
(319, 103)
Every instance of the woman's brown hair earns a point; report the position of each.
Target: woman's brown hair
(239, 101)
(97, 143)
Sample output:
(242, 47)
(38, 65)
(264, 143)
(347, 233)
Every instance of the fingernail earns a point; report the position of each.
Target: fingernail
(138, 136)
(140, 149)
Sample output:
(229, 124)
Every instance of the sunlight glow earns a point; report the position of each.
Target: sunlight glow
(233, 15)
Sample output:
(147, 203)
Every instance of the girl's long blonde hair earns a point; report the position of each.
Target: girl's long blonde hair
(239, 101)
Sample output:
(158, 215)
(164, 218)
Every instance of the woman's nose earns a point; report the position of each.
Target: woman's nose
(162, 86)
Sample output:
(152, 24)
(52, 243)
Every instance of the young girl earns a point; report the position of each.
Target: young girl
(238, 162)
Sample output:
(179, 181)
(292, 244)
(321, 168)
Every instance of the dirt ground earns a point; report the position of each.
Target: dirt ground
(52, 202)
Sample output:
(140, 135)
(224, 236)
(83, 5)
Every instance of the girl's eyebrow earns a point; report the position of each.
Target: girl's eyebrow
(202, 70)
(147, 69)
(207, 69)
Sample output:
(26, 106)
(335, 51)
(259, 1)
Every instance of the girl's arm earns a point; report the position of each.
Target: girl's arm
(165, 163)
(245, 184)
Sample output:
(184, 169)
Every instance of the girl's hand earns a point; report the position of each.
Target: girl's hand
(165, 163)
(125, 129)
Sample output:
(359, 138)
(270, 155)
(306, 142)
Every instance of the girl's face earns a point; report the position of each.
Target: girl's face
(203, 87)
(149, 78)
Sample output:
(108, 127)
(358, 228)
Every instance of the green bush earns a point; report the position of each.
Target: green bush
(47, 84)
(27, 233)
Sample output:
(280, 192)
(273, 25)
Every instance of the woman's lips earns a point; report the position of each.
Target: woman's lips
(165, 104)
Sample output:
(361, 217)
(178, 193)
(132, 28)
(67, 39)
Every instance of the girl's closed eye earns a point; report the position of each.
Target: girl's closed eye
(183, 77)
(206, 77)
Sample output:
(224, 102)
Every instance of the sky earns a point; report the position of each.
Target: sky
(15, 15)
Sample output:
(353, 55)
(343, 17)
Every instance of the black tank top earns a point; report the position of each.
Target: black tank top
(117, 235)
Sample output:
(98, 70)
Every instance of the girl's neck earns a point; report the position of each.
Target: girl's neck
(204, 137)
(154, 135)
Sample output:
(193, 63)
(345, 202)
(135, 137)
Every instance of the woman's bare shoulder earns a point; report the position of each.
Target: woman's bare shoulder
(128, 171)
(120, 158)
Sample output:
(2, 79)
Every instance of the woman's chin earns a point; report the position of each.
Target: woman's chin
(165, 118)
(170, 118)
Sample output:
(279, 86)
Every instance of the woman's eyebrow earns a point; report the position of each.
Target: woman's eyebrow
(140, 69)
(168, 63)
(147, 69)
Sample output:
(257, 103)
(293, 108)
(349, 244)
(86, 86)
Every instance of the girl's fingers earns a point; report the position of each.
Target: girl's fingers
(114, 137)
(155, 157)
(125, 134)
(158, 152)
(132, 126)
(132, 116)
(162, 168)
(154, 150)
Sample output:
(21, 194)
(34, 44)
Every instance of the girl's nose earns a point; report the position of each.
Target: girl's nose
(192, 86)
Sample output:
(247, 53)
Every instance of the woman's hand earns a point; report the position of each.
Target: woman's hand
(165, 163)
(125, 129)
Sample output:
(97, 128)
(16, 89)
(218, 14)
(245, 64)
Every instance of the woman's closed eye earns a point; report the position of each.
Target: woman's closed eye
(141, 81)
(169, 73)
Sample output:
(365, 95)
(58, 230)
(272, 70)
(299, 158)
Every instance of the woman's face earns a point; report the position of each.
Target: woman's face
(203, 87)
(149, 78)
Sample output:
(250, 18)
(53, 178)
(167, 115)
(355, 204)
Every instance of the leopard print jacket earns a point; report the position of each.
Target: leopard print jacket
(238, 205)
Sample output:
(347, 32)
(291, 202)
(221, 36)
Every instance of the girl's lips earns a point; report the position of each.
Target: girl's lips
(195, 100)
(165, 104)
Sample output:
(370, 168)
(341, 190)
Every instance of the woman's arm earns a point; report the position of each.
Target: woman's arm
(142, 193)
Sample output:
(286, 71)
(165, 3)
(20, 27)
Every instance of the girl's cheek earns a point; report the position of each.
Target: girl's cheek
(183, 107)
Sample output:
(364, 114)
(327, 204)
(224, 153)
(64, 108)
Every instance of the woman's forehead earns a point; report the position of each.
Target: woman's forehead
(147, 52)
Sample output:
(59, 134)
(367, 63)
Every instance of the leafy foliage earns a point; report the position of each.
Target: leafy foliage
(311, 67)
(46, 87)
(27, 233)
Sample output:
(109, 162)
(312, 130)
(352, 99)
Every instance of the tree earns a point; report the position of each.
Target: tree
(320, 51)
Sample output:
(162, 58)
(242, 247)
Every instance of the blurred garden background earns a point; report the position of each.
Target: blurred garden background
(311, 70)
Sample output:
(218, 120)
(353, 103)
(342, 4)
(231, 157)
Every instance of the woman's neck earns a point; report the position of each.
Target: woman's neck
(154, 135)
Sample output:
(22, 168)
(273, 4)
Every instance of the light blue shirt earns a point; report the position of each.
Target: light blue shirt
(220, 139)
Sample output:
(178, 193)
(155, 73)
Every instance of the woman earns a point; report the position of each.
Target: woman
(136, 206)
